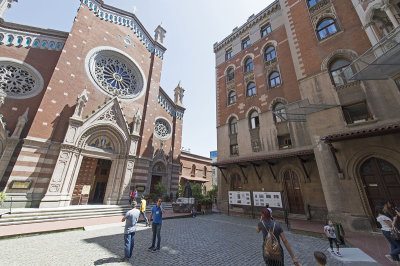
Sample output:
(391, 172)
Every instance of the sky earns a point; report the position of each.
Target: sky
(192, 29)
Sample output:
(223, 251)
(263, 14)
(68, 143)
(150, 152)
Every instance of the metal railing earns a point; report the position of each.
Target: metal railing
(381, 55)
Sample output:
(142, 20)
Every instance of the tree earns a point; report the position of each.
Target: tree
(213, 192)
(160, 188)
(197, 191)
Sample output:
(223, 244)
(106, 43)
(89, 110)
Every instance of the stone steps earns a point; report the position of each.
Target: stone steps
(35, 215)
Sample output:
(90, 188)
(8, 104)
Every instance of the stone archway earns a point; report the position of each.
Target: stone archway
(157, 176)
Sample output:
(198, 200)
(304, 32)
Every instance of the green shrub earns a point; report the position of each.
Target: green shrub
(160, 189)
(197, 191)
(205, 201)
(2, 197)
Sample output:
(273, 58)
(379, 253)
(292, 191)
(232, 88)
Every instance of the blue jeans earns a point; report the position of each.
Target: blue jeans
(129, 243)
(144, 215)
(394, 245)
(156, 232)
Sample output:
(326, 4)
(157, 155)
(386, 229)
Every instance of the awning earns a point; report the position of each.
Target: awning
(269, 156)
(364, 133)
(195, 179)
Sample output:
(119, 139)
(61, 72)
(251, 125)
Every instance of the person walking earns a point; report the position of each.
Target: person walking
(130, 219)
(156, 214)
(131, 196)
(267, 225)
(142, 210)
(329, 231)
(386, 224)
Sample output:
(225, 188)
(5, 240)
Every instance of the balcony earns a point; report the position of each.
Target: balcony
(380, 62)
(317, 7)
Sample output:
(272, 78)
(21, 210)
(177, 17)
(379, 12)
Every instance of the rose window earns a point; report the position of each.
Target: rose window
(162, 129)
(17, 81)
(116, 74)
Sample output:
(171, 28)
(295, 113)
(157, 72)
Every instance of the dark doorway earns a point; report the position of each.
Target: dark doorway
(98, 188)
(293, 192)
(155, 179)
(381, 181)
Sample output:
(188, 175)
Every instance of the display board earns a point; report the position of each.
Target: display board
(239, 198)
(274, 199)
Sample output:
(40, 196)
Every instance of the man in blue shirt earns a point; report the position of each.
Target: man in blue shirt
(156, 214)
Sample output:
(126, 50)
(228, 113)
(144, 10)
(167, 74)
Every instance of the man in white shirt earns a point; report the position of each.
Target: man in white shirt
(131, 218)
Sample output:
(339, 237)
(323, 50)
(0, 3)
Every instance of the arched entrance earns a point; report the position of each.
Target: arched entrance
(381, 180)
(156, 177)
(293, 192)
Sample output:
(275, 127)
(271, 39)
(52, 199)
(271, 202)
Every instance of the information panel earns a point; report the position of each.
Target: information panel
(239, 198)
(274, 199)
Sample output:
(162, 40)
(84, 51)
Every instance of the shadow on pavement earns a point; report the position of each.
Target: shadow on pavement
(107, 261)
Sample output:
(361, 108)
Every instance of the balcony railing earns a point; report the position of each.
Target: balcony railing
(381, 61)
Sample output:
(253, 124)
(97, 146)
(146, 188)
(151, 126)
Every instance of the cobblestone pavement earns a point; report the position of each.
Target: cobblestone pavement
(206, 240)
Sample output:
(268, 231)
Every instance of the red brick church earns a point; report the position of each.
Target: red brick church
(82, 115)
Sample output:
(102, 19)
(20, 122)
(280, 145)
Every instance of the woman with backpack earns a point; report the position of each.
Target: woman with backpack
(272, 233)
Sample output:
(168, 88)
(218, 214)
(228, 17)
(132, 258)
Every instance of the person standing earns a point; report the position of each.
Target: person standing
(142, 210)
(130, 219)
(156, 214)
(266, 225)
(131, 196)
(329, 231)
(386, 224)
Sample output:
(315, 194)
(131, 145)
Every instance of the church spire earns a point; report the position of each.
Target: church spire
(5, 5)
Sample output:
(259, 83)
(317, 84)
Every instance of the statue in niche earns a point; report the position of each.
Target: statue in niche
(80, 104)
(188, 191)
(137, 120)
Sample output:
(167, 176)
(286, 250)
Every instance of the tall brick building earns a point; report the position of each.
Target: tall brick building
(83, 116)
(307, 105)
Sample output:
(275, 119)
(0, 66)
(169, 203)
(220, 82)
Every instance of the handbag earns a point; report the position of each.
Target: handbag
(395, 233)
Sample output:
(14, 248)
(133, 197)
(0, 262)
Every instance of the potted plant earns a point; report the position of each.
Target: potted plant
(2, 197)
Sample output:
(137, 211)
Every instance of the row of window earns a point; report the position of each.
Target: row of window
(274, 79)
(354, 113)
(325, 28)
(193, 170)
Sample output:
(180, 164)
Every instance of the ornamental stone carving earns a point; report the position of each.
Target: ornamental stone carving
(80, 104)
(19, 80)
(162, 129)
(108, 116)
(115, 74)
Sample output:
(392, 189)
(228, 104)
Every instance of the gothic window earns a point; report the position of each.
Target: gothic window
(248, 65)
(279, 112)
(205, 171)
(245, 43)
(233, 126)
(115, 74)
(270, 53)
(274, 79)
(285, 142)
(102, 142)
(230, 74)
(162, 129)
(254, 121)
(326, 28)
(19, 80)
(336, 69)
(251, 89)
(265, 30)
(312, 3)
(234, 149)
(231, 97)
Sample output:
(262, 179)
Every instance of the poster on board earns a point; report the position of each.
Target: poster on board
(239, 198)
(274, 199)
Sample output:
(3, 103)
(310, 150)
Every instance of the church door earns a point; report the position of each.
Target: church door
(381, 180)
(155, 179)
(100, 181)
(293, 192)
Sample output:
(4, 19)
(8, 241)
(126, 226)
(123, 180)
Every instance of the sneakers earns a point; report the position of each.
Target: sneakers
(333, 252)
(123, 259)
(150, 248)
(156, 250)
(338, 253)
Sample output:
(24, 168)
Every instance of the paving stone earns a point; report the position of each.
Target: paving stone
(206, 240)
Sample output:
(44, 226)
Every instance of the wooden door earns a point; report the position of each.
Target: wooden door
(98, 188)
(293, 192)
(155, 179)
(381, 181)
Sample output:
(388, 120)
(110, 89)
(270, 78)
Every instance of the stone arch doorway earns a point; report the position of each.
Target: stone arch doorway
(293, 192)
(158, 172)
(381, 180)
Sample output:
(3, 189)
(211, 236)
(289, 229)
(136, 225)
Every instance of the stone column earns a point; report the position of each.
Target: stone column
(61, 185)
(371, 34)
(3, 96)
(389, 13)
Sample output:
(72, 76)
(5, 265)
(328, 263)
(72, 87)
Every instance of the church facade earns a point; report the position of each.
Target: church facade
(83, 116)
